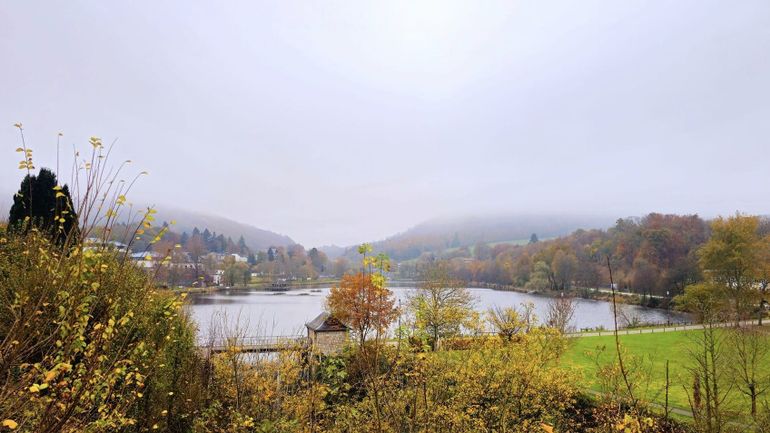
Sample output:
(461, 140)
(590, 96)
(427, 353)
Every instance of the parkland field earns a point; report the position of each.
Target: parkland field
(645, 356)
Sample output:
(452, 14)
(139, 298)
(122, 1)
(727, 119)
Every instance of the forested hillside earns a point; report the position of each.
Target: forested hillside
(438, 235)
(254, 237)
(654, 255)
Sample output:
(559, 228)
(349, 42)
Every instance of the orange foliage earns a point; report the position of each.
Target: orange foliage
(363, 305)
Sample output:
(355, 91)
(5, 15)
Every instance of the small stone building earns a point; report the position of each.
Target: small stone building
(326, 334)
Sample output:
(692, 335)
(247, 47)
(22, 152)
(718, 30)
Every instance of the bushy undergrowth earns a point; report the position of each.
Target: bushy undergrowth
(83, 339)
(87, 344)
(494, 386)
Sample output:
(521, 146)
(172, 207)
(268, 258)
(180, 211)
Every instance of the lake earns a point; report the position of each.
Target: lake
(285, 313)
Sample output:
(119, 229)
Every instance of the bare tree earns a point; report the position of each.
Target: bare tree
(708, 353)
(626, 371)
(528, 315)
(711, 386)
(197, 249)
(626, 315)
(749, 356)
(230, 336)
(560, 312)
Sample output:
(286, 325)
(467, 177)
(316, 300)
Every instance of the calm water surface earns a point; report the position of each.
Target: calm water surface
(285, 313)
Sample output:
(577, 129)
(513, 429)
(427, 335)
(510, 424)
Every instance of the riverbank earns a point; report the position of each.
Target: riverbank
(585, 293)
(261, 286)
(631, 317)
(294, 285)
(596, 294)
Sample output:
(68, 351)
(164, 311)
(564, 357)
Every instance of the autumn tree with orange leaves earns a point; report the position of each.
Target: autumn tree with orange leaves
(362, 301)
(362, 305)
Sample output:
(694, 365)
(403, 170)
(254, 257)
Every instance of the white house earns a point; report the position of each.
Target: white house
(216, 277)
(147, 259)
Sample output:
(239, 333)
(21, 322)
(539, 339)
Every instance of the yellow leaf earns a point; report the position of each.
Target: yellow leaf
(50, 375)
(11, 424)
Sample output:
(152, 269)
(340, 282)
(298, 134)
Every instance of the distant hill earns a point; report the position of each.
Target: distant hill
(186, 221)
(444, 233)
(333, 251)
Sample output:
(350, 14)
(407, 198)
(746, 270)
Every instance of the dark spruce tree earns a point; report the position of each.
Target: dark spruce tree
(48, 208)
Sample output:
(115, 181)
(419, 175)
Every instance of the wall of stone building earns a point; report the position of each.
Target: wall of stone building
(329, 342)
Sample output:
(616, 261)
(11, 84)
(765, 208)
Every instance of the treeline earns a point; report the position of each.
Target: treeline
(198, 241)
(437, 236)
(207, 253)
(653, 255)
(295, 261)
(197, 256)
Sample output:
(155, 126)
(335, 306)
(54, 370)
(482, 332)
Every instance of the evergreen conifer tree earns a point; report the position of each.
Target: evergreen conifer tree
(47, 204)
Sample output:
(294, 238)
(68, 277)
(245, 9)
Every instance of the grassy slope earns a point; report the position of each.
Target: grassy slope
(472, 248)
(519, 241)
(654, 350)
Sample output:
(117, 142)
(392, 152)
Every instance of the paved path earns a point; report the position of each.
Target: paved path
(655, 330)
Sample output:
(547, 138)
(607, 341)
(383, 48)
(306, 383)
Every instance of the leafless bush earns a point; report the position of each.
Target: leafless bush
(560, 312)
(626, 316)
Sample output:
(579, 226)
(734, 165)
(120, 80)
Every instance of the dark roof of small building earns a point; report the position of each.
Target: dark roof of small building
(325, 322)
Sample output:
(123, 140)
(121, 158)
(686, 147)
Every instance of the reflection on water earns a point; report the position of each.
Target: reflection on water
(285, 313)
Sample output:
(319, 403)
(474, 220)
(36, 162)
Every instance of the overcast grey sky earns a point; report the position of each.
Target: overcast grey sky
(339, 122)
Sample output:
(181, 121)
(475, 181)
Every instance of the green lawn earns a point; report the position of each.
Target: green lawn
(519, 241)
(647, 353)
